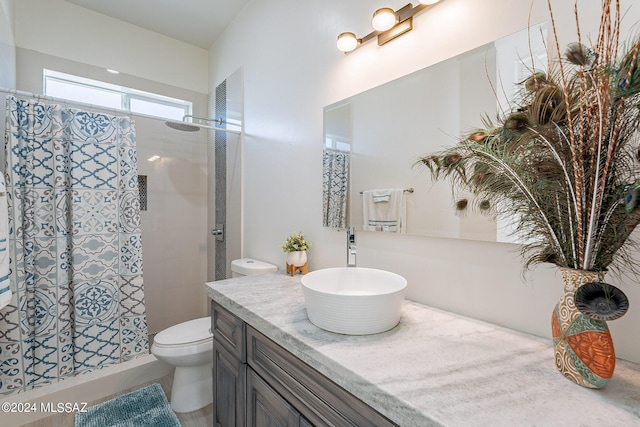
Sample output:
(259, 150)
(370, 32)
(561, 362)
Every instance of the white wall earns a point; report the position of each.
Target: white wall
(292, 69)
(59, 28)
(7, 45)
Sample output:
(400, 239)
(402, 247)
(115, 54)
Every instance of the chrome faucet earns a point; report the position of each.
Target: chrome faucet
(351, 247)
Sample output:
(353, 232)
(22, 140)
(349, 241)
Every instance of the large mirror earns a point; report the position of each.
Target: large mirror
(372, 140)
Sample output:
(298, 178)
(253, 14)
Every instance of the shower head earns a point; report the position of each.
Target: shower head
(190, 127)
(182, 126)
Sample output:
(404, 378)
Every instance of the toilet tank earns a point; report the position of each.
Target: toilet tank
(250, 267)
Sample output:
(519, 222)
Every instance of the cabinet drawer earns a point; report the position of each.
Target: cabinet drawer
(229, 331)
(320, 400)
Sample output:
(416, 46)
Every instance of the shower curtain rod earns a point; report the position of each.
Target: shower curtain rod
(99, 107)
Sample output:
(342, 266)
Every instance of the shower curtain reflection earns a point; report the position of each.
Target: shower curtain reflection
(335, 183)
(75, 245)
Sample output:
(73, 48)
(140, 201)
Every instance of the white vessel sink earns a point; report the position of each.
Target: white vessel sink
(353, 300)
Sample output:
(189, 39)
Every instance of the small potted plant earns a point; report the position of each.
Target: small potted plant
(296, 247)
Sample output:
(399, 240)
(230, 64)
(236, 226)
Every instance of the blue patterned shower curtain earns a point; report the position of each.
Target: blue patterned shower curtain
(75, 245)
(335, 180)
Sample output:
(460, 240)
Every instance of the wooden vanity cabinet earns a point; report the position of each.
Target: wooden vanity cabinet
(229, 368)
(271, 387)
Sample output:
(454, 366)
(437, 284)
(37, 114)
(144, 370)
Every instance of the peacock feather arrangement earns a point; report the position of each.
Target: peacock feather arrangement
(565, 161)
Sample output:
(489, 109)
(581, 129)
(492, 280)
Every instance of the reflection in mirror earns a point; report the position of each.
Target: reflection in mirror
(379, 134)
(335, 165)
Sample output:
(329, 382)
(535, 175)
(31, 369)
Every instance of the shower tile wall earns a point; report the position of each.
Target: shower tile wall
(225, 174)
(221, 181)
(174, 226)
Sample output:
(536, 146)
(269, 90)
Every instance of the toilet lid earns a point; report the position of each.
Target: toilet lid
(185, 333)
(250, 267)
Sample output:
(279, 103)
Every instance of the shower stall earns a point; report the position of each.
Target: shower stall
(74, 244)
(189, 184)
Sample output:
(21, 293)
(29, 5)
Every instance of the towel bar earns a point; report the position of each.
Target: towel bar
(406, 190)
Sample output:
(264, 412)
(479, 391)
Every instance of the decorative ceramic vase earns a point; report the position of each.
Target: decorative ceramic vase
(584, 350)
(297, 258)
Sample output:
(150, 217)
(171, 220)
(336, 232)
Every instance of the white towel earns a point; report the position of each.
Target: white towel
(5, 288)
(388, 215)
(380, 195)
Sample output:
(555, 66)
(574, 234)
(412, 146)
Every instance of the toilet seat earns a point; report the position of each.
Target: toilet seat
(191, 332)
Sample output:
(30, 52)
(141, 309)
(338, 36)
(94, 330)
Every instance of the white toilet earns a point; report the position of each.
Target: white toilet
(189, 347)
(250, 267)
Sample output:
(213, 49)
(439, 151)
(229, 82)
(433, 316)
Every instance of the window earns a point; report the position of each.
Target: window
(337, 143)
(74, 88)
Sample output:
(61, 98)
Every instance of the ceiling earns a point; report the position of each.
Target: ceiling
(197, 22)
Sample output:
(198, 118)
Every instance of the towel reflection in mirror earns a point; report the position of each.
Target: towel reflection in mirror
(384, 210)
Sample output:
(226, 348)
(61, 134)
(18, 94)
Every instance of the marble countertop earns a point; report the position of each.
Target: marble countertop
(435, 368)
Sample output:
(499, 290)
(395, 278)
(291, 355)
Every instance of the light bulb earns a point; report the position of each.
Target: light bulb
(383, 19)
(347, 42)
(428, 1)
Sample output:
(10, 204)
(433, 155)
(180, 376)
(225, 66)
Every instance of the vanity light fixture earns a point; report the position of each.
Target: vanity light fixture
(347, 42)
(384, 19)
(387, 25)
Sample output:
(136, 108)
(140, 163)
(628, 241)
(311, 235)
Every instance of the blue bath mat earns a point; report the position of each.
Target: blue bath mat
(146, 407)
